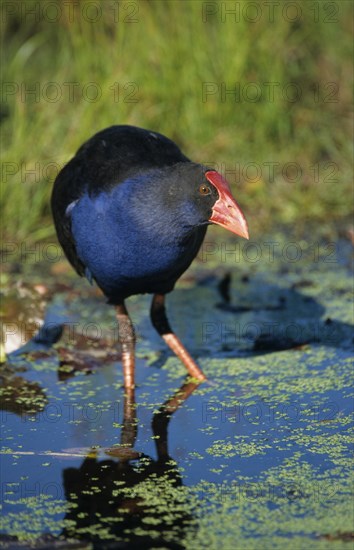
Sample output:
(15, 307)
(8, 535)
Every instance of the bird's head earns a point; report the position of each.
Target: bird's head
(205, 198)
(179, 198)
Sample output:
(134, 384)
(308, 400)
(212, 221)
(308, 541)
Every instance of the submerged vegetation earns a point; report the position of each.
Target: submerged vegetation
(260, 456)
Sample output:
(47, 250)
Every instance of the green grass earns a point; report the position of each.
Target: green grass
(161, 62)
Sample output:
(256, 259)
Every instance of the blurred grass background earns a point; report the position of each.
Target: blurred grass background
(288, 158)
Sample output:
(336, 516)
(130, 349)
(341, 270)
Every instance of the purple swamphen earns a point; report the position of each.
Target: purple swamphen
(131, 211)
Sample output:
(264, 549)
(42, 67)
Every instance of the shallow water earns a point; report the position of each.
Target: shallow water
(258, 456)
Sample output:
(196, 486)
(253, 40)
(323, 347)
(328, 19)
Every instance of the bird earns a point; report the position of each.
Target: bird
(131, 212)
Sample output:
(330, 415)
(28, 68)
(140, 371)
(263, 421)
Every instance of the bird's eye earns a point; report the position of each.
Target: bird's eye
(204, 190)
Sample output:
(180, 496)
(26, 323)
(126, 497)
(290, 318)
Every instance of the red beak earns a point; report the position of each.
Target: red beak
(226, 211)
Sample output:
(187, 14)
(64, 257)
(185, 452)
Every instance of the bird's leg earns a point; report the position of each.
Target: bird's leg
(126, 338)
(161, 324)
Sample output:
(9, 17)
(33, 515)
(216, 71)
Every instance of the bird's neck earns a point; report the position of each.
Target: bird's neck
(137, 203)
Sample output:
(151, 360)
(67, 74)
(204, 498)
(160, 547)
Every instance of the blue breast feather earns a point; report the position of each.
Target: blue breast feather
(129, 250)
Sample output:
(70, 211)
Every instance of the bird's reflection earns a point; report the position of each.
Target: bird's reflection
(131, 500)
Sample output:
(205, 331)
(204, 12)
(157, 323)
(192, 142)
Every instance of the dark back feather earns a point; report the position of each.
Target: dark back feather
(105, 160)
